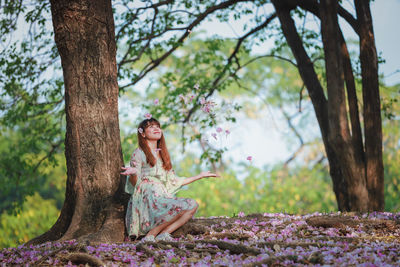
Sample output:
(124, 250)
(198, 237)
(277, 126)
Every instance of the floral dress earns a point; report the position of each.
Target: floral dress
(152, 199)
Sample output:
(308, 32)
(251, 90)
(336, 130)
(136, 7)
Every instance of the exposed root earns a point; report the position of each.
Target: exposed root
(191, 228)
(314, 258)
(143, 247)
(233, 248)
(235, 236)
(83, 258)
(78, 247)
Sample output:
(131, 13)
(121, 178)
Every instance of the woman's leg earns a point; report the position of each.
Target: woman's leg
(180, 221)
(159, 228)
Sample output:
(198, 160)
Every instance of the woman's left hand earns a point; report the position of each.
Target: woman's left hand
(208, 174)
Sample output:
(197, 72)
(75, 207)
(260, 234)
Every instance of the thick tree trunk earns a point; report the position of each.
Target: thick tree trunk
(339, 132)
(94, 199)
(343, 147)
(372, 107)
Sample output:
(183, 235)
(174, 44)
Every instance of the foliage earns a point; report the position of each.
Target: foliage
(299, 190)
(37, 216)
(31, 100)
(391, 142)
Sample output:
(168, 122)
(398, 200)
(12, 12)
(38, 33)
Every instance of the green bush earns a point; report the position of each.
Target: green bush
(36, 217)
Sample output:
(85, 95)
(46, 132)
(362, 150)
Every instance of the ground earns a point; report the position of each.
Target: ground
(269, 239)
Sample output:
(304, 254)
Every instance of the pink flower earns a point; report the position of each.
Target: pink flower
(156, 101)
(219, 129)
(206, 108)
(202, 100)
(227, 132)
(140, 130)
(241, 214)
(196, 86)
(214, 135)
(249, 158)
(147, 116)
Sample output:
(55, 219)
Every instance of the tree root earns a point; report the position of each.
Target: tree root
(83, 258)
(168, 245)
(191, 228)
(233, 248)
(76, 247)
(240, 237)
(314, 258)
(143, 247)
(274, 245)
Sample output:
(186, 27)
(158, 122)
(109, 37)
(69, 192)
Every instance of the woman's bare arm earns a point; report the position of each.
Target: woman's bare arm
(198, 177)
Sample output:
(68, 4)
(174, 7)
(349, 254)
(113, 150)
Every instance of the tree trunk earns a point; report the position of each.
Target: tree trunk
(94, 199)
(372, 107)
(344, 148)
(339, 132)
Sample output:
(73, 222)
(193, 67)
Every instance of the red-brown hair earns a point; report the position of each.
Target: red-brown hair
(160, 144)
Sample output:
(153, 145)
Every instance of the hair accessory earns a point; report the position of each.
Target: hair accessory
(140, 130)
(147, 116)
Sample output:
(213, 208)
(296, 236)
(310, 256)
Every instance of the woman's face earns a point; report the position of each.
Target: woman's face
(152, 132)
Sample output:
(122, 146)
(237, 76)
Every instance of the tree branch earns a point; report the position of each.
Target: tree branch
(154, 63)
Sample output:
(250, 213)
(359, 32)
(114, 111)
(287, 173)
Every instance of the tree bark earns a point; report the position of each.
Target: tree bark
(94, 199)
(372, 107)
(355, 189)
(318, 99)
(339, 132)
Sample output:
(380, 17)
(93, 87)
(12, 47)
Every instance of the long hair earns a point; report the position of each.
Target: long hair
(160, 144)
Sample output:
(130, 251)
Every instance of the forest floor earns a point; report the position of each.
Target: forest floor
(269, 239)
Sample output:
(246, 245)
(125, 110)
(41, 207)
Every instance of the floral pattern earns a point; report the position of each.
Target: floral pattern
(153, 199)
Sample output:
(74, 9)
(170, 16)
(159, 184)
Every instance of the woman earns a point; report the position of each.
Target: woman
(153, 210)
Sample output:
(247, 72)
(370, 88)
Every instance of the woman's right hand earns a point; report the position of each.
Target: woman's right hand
(128, 170)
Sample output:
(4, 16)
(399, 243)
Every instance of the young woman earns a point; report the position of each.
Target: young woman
(153, 209)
